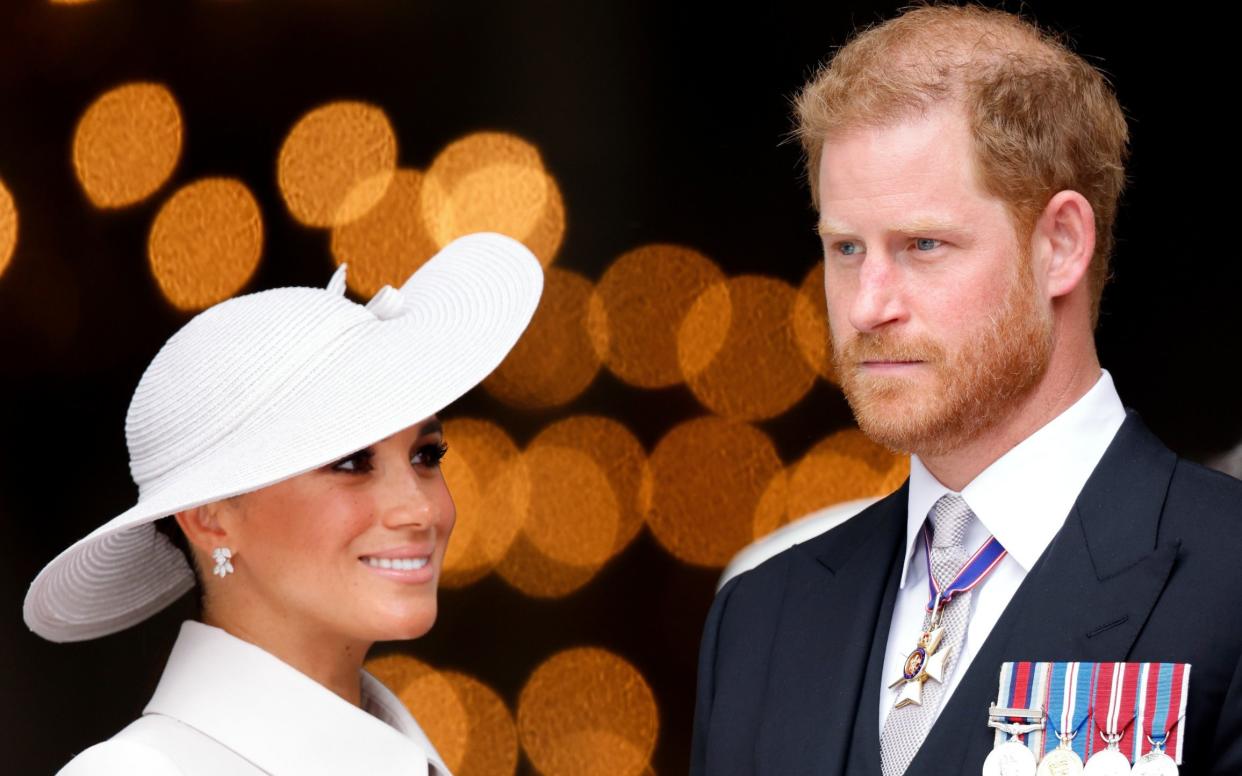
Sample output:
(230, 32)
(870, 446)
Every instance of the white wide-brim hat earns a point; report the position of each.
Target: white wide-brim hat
(263, 387)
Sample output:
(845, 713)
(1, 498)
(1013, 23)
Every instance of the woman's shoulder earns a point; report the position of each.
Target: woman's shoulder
(158, 745)
(121, 757)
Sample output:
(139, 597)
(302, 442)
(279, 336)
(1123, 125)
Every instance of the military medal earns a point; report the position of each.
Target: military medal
(1162, 704)
(927, 661)
(1155, 763)
(1019, 684)
(1069, 706)
(924, 663)
(1115, 695)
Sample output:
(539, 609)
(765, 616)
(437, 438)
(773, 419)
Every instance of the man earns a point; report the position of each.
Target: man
(966, 169)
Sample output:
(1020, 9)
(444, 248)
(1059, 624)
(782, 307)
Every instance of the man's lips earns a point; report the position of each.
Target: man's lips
(880, 363)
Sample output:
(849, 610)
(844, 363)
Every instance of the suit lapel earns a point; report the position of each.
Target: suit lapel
(1086, 598)
(840, 586)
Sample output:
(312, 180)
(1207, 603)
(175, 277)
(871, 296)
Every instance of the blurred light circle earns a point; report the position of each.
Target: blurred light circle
(205, 242)
(433, 701)
(643, 297)
(572, 527)
(492, 740)
(336, 162)
(490, 486)
(756, 370)
(810, 323)
(843, 467)
(494, 182)
(388, 243)
(127, 144)
(619, 455)
(556, 358)
(707, 477)
(8, 227)
(588, 712)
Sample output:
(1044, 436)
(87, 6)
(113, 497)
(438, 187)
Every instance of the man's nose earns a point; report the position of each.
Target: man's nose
(878, 300)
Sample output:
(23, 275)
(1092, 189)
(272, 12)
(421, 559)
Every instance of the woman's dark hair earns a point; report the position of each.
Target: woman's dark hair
(168, 526)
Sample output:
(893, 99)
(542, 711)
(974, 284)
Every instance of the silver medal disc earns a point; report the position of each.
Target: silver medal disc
(1107, 762)
(1011, 758)
(1060, 762)
(1155, 763)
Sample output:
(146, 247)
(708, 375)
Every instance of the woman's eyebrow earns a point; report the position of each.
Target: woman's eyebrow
(431, 427)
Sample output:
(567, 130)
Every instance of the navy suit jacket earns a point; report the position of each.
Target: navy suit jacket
(1147, 567)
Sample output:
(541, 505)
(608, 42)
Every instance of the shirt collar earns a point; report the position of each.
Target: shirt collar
(1024, 496)
(219, 685)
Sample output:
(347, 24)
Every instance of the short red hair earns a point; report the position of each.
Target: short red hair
(1042, 118)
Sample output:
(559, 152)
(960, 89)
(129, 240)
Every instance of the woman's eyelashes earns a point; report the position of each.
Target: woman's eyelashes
(361, 462)
(430, 455)
(356, 463)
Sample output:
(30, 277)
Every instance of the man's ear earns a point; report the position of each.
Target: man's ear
(203, 528)
(1065, 234)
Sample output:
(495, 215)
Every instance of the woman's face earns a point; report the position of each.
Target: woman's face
(352, 549)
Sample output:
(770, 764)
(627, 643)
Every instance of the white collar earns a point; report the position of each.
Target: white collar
(281, 720)
(1024, 496)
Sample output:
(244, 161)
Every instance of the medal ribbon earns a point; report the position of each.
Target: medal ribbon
(979, 566)
(1020, 688)
(1020, 684)
(1116, 691)
(1162, 706)
(1069, 704)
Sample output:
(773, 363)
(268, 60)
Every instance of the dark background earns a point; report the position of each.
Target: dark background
(661, 122)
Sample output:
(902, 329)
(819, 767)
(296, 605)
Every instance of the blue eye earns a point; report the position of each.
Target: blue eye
(430, 455)
(926, 244)
(848, 248)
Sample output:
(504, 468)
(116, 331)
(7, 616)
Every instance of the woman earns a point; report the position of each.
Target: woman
(291, 435)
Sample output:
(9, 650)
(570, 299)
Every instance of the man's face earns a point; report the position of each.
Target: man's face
(939, 328)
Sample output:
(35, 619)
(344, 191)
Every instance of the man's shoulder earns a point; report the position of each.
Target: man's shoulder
(828, 549)
(1203, 502)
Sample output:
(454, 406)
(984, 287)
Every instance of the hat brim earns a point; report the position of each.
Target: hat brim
(462, 312)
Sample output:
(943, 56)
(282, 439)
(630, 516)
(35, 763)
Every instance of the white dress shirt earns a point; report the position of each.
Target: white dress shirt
(1023, 498)
(225, 707)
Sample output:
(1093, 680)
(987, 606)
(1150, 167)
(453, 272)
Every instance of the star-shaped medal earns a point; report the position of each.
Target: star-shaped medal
(922, 664)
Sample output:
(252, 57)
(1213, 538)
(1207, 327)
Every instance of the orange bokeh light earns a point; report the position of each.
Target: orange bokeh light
(492, 740)
(432, 699)
(127, 144)
(387, 244)
(556, 358)
(8, 227)
(707, 477)
(588, 712)
(644, 296)
(843, 467)
(494, 182)
(619, 455)
(810, 323)
(571, 528)
(737, 349)
(205, 242)
(336, 163)
(488, 479)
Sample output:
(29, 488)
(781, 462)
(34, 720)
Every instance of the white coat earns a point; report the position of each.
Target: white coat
(224, 707)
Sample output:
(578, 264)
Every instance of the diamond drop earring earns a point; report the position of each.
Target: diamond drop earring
(224, 566)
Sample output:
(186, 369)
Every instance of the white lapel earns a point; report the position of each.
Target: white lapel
(282, 720)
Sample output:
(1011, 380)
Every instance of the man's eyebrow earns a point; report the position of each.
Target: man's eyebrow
(827, 227)
(918, 225)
